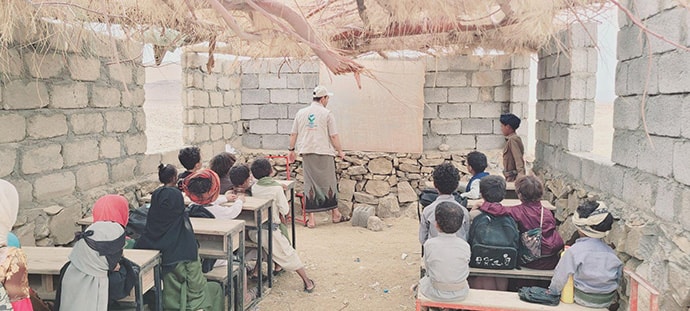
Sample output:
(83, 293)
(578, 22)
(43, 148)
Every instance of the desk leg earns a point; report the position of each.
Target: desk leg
(229, 292)
(258, 253)
(158, 286)
(270, 246)
(292, 216)
(138, 293)
(240, 278)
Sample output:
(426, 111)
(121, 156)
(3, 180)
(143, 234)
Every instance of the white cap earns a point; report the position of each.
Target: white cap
(321, 91)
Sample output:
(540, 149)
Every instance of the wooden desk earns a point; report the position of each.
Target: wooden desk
(44, 264)
(187, 200)
(290, 185)
(522, 273)
(255, 212)
(512, 202)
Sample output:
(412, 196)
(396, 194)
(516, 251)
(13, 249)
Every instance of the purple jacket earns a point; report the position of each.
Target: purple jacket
(527, 217)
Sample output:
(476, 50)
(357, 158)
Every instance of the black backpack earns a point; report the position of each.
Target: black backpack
(429, 195)
(495, 241)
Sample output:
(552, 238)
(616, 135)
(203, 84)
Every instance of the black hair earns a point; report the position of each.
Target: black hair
(189, 157)
(511, 120)
(166, 173)
(477, 161)
(492, 188)
(261, 168)
(221, 163)
(587, 208)
(199, 185)
(446, 177)
(239, 174)
(317, 99)
(448, 217)
(529, 188)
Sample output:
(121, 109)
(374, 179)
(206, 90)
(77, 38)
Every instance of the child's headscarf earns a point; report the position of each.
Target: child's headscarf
(205, 179)
(9, 206)
(111, 207)
(595, 225)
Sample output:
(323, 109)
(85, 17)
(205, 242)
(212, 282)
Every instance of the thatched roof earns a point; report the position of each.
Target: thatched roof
(334, 30)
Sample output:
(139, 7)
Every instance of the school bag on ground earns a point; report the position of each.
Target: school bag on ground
(494, 241)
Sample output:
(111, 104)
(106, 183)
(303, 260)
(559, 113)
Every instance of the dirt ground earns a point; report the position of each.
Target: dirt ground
(354, 268)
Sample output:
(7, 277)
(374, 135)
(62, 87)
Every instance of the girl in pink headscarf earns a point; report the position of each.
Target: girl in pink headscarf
(13, 273)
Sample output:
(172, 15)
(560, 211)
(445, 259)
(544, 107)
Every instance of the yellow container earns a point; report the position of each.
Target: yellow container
(568, 292)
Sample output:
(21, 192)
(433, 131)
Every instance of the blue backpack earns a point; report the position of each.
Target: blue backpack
(494, 241)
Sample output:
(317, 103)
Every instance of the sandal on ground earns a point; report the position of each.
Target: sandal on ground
(313, 286)
(278, 272)
(343, 218)
(308, 225)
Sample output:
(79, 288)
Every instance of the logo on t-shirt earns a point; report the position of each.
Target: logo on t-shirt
(312, 119)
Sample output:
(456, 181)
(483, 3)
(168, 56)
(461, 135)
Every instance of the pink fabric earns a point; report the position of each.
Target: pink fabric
(111, 207)
(23, 305)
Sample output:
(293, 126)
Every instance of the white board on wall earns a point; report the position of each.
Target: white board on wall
(386, 113)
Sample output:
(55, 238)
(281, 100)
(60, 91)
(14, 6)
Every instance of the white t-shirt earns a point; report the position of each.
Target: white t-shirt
(314, 126)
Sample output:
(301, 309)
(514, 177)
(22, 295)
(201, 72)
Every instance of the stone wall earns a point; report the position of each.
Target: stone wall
(646, 182)
(72, 129)
(464, 97)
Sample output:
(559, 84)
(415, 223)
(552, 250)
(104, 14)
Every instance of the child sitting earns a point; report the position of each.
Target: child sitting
(595, 268)
(446, 257)
(514, 150)
(446, 177)
(476, 164)
(284, 255)
(190, 158)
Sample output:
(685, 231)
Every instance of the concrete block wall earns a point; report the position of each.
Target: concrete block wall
(211, 101)
(272, 91)
(72, 130)
(465, 96)
(646, 181)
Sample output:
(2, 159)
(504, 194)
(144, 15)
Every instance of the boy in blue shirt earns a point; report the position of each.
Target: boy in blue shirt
(476, 164)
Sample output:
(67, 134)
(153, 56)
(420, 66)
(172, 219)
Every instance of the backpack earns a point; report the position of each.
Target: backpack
(429, 195)
(494, 241)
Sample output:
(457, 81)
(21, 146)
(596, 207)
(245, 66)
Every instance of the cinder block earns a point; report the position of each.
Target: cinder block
(121, 72)
(91, 176)
(210, 82)
(580, 138)
(20, 95)
(560, 88)
(487, 78)
(293, 109)
(305, 96)
(84, 69)
(672, 23)
(11, 62)
(681, 169)
(302, 81)
(210, 116)
(631, 41)
(522, 61)
(134, 144)
(581, 86)
(446, 79)
(54, 186)
(110, 148)
(272, 111)
(430, 111)
(501, 93)
(453, 111)
(123, 171)
(519, 94)
(47, 126)
(490, 142)
(592, 169)
(224, 115)
(476, 126)
(285, 126)
(463, 62)
(216, 99)
(81, 151)
(582, 35)
(229, 130)
(69, 96)
(461, 142)
(250, 112)
(118, 121)
(637, 77)
(626, 113)
(361, 214)
(42, 159)
(272, 81)
(259, 96)
(519, 77)
(251, 141)
(640, 186)
(667, 200)
(216, 133)
(673, 69)
(446, 127)
(463, 94)
(664, 114)
(434, 64)
(133, 97)
(197, 134)
(572, 164)
(103, 97)
(232, 98)
(147, 166)
(275, 142)
(263, 126)
(44, 66)
(284, 96)
(625, 149)
(249, 81)
(431, 142)
(518, 109)
(435, 95)
(485, 110)
(12, 127)
(8, 159)
(542, 131)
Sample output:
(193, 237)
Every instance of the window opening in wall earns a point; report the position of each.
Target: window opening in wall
(163, 101)
(532, 108)
(607, 34)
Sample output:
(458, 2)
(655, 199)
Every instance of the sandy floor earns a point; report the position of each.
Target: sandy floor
(354, 268)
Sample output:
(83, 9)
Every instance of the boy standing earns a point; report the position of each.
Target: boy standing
(190, 158)
(284, 255)
(476, 164)
(446, 177)
(514, 150)
(446, 257)
(595, 268)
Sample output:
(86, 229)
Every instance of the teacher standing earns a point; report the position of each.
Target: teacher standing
(315, 137)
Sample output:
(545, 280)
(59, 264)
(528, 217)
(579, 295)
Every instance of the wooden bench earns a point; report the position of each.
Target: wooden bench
(512, 202)
(522, 273)
(490, 300)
